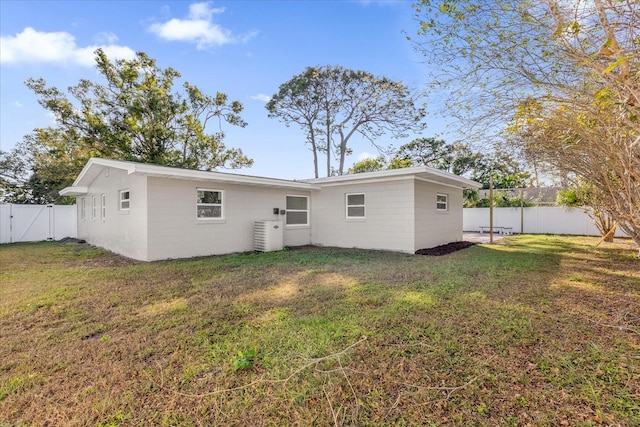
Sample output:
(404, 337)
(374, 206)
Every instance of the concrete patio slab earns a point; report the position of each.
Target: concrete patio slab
(480, 237)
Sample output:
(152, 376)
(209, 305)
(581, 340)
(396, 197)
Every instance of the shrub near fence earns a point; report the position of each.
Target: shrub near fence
(29, 223)
(534, 220)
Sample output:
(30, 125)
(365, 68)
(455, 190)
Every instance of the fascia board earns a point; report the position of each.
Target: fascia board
(364, 181)
(132, 168)
(188, 174)
(73, 191)
(455, 185)
(425, 173)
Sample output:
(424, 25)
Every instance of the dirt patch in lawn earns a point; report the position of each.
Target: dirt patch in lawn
(97, 257)
(107, 260)
(444, 249)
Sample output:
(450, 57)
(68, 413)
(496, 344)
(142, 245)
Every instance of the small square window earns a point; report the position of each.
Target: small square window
(355, 205)
(209, 204)
(124, 200)
(442, 202)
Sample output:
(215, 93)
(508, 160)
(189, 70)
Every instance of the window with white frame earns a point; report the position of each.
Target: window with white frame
(83, 208)
(103, 206)
(125, 201)
(297, 210)
(355, 205)
(93, 208)
(209, 204)
(442, 202)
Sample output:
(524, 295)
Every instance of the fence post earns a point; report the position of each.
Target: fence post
(52, 224)
(11, 223)
(521, 212)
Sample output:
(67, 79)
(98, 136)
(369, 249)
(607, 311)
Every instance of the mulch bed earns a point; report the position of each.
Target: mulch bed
(71, 240)
(445, 249)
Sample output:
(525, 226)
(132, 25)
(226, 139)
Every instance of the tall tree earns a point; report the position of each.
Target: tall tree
(454, 157)
(132, 113)
(568, 73)
(332, 104)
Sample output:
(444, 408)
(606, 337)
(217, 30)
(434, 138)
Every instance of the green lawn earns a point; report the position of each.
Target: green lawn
(535, 330)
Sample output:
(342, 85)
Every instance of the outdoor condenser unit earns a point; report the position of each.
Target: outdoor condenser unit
(268, 236)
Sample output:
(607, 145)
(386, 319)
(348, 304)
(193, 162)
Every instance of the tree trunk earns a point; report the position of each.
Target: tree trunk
(328, 133)
(633, 231)
(315, 159)
(603, 222)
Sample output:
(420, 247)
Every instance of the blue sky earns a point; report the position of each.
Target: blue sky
(243, 48)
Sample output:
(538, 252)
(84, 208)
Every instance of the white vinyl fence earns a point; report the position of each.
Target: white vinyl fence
(534, 220)
(28, 223)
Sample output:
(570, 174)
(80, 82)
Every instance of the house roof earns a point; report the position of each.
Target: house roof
(95, 166)
(423, 173)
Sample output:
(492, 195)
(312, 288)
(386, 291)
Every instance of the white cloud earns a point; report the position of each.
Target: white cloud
(203, 11)
(17, 104)
(198, 28)
(261, 97)
(31, 46)
(106, 38)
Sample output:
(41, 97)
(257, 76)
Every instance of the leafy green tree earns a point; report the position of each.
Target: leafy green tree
(505, 171)
(368, 165)
(584, 196)
(13, 176)
(427, 152)
(332, 104)
(461, 160)
(133, 114)
(456, 158)
(501, 199)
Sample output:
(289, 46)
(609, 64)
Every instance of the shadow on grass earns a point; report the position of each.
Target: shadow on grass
(507, 334)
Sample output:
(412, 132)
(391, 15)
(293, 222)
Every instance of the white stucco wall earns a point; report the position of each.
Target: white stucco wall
(433, 227)
(175, 232)
(123, 232)
(388, 222)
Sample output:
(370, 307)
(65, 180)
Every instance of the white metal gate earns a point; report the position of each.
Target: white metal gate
(28, 223)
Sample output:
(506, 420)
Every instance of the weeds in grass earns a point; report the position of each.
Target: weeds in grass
(245, 359)
(538, 330)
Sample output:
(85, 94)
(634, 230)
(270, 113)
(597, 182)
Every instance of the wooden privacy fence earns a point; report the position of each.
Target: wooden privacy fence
(534, 220)
(28, 223)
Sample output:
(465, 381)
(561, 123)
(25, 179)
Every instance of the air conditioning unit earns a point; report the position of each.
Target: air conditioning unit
(268, 236)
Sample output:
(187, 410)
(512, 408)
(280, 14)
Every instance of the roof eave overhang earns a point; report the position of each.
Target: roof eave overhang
(73, 191)
(421, 173)
(95, 166)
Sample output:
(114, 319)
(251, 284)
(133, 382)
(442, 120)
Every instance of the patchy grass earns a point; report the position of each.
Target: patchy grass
(537, 330)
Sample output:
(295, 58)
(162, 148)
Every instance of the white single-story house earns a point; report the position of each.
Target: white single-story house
(150, 212)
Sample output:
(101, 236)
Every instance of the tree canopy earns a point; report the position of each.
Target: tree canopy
(332, 104)
(133, 113)
(462, 160)
(560, 81)
(505, 171)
